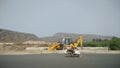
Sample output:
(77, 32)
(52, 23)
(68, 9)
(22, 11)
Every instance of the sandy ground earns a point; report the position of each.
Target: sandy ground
(60, 61)
(55, 51)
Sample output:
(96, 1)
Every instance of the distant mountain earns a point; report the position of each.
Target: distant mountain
(86, 37)
(13, 36)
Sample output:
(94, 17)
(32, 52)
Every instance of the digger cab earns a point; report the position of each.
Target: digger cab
(65, 41)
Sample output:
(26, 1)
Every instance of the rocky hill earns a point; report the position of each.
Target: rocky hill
(13, 36)
(86, 37)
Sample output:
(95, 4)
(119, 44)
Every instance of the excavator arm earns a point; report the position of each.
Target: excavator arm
(79, 41)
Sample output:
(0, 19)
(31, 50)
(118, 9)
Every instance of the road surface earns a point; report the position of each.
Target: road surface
(60, 61)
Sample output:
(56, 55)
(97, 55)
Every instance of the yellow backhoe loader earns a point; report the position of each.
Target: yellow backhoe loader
(66, 44)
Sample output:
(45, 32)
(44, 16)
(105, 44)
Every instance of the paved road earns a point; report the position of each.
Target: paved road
(60, 61)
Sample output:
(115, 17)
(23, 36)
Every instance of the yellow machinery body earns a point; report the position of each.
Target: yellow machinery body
(54, 46)
(66, 42)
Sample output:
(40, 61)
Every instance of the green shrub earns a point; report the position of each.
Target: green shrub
(113, 44)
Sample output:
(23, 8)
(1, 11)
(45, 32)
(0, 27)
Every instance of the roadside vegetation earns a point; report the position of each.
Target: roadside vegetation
(113, 44)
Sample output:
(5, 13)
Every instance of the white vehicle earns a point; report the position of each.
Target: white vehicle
(73, 53)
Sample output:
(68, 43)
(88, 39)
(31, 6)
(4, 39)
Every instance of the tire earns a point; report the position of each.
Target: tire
(69, 53)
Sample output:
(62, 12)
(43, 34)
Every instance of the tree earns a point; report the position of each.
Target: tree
(114, 43)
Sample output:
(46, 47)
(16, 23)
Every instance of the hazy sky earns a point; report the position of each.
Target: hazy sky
(46, 17)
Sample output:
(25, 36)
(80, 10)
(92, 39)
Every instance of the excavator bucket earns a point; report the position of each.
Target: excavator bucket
(54, 46)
